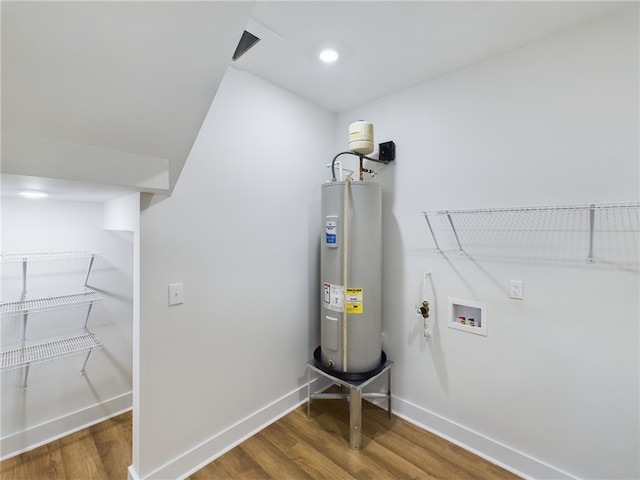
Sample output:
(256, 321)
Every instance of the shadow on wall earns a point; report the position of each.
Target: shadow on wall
(313, 268)
(395, 291)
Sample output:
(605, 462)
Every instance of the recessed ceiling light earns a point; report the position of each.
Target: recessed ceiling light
(33, 194)
(328, 55)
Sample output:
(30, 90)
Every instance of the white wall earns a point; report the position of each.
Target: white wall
(58, 399)
(553, 387)
(241, 232)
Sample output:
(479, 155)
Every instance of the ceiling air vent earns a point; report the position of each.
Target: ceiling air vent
(247, 41)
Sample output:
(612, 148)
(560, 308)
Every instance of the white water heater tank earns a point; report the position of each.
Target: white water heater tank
(361, 137)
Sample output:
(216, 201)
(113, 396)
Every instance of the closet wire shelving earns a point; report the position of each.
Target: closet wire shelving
(36, 305)
(48, 351)
(44, 256)
(570, 232)
(26, 354)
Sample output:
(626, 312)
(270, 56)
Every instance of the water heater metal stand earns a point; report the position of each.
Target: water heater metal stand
(354, 396)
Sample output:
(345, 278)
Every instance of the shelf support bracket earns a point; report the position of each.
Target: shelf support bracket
(26, 377)
(86, 320)
(25, 315)
(84, 365)
(86, 281)
(24, 279)
(592, 218)
(426, 217)
(455, 234)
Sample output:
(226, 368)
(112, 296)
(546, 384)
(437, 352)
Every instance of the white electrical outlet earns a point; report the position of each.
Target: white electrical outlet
(517, 289)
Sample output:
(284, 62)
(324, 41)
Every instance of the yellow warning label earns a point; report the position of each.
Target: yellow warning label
(354, 307)
(353, 300)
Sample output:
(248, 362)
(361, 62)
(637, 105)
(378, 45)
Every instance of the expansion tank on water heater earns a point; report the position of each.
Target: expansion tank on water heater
(351, 276)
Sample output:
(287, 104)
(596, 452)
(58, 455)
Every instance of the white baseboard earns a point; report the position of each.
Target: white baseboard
(200, 455)
(132, 474)
(47, 432)
(491, 450)
(203, 454)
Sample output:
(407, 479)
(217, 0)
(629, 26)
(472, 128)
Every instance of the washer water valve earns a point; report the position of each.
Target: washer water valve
(424, 310)
(422, 306)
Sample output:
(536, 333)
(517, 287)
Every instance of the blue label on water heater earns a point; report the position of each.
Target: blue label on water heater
(330, 233)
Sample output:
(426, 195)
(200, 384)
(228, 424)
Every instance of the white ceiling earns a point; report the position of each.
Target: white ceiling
(128, 79)
(139, 77)
(387, 46)
(63, 190)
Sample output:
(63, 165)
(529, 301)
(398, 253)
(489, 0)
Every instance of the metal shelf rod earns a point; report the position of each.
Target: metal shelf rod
(23, 295)
(455, 234)
(426, 217)
(592, 219)
(86, 320)
(86, 280)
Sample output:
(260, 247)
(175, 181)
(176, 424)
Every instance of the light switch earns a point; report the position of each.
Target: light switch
(176, 293)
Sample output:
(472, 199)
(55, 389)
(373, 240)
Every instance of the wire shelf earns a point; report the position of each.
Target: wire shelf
(49, 303)
(539, 208)
(605, 232)
(44, 256)
(47, 351)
